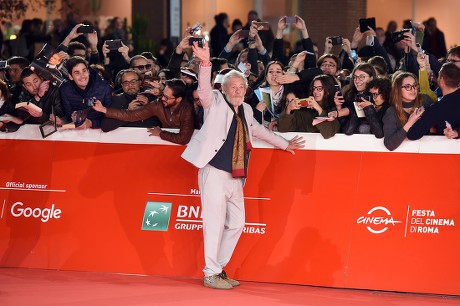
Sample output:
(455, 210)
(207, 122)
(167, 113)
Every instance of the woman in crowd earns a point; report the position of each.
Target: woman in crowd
(268, 110)
(299, 118)
(353, 95)
(406, 107)
(8, 121)
(380, 89)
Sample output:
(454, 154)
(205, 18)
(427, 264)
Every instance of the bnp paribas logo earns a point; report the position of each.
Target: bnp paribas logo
(156, 216)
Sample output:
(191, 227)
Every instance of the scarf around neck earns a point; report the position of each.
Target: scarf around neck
(241, 146)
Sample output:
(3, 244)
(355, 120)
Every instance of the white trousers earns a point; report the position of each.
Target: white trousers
(222, 204)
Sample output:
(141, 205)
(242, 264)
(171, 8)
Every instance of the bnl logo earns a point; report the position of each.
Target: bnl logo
(156, 216)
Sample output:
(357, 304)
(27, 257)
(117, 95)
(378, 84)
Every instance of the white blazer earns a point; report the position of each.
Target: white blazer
(218, 117)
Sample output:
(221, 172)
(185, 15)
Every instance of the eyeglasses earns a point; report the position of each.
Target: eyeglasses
(132, 82)
(360, 77)
(375, 94)
(142, 67)
(318, 88)
(409, 87)
(453, 61)
(168, 98)
(196, 99)
(328, 65)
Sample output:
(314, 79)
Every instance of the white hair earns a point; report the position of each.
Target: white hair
(234, 74)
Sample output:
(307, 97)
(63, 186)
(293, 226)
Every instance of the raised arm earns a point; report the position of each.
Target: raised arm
(204, 75)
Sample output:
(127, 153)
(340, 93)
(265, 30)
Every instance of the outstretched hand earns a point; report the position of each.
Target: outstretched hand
(295, 143)
(201, 53)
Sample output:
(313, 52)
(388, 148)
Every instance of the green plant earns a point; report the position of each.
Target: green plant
(138, 31)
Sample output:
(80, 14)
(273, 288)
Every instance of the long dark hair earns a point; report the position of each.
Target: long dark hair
(328, 84)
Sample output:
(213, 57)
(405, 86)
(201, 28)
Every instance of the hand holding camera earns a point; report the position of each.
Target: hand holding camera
(364, 99)
(202, 53)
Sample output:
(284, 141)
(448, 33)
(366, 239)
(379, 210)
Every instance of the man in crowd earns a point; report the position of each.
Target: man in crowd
(173, 111)
(221, 152)
(444, 115)
(45, 96)
(85, 87)
(130, 99)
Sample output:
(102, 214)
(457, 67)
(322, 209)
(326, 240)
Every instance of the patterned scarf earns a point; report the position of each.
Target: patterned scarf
(241, 146)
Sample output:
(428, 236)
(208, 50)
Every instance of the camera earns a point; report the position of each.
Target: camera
(3, 65)
(336, 40)
(85, 29)
(200, 41)
(399, 35)
(364, 23)
(113, 44)
(291, 19)
(365, 95)
(91, 101)
(195, 30)
(264, 24)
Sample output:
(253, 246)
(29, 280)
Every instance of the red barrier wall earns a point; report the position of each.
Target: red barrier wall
(360, 218)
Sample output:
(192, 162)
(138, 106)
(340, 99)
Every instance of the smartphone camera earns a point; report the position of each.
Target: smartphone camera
(291, 19)
(3, 65)
(336, 40)
(338, 90)
(200, 41)
(85, 29)
(91, 101)
(113, 44)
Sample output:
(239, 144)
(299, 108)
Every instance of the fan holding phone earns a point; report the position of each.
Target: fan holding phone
(310, 114)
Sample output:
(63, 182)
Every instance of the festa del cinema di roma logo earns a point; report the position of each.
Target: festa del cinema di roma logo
(378, 219)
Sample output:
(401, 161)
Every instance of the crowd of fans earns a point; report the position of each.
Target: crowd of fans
(393, 84)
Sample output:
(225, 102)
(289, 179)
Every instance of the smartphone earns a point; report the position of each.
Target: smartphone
(419, 48)
(264, 24)
(354, 56)
(243, 34)
(364, 23)
(290, 19)
(200, 41)
(85, 29)
(3, 65)
(91, 101)
(113, 44)
(338, 90)
(336, 40)
(305, 102)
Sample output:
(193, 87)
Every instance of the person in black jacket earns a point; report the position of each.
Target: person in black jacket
(85, 87)
(44, 95)
(131, 98)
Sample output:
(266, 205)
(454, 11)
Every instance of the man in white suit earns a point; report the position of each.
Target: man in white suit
(221, 152)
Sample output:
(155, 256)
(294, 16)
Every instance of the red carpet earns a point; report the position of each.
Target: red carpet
(50, 287)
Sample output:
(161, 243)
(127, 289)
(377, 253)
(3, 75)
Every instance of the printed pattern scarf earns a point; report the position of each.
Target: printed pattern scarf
(241, 146)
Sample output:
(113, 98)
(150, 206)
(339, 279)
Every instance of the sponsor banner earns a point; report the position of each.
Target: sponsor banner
(345, 219)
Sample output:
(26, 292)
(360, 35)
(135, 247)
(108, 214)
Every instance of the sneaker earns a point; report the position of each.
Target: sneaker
(232, 282)
(216, 282)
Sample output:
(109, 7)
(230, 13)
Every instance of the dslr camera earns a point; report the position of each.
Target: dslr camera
(399, 35)
(366, 95)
